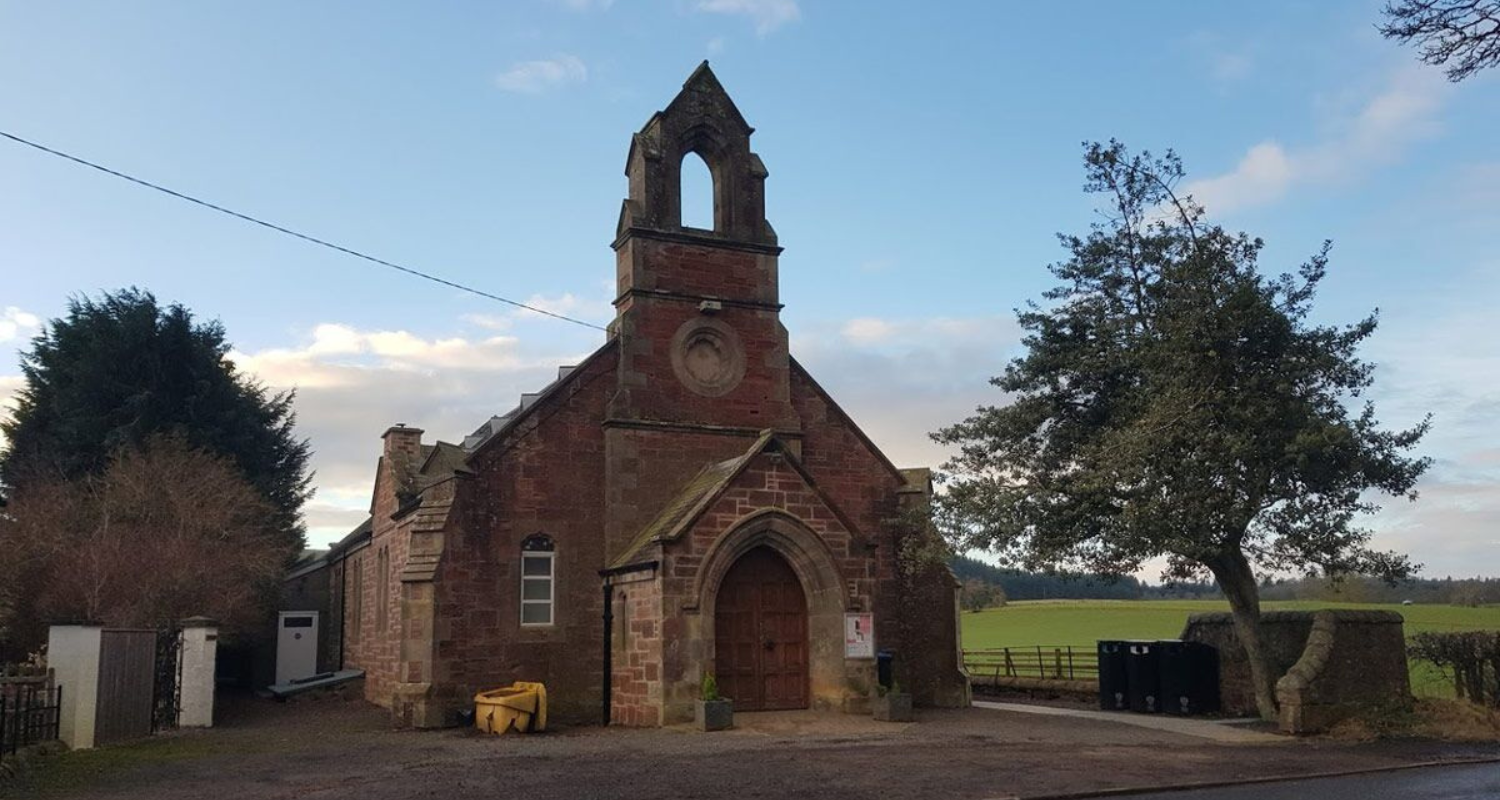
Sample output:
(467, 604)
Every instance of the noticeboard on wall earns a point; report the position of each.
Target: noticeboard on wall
(859, 634)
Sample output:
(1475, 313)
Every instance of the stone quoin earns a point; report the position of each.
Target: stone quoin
(686, 500)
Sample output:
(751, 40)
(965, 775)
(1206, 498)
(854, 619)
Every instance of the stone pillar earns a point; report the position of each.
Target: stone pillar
(413, 703)
(196, 659)
(73, 656)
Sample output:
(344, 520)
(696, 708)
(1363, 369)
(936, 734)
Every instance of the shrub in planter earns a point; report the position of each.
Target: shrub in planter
(712, 712)
(891, 704)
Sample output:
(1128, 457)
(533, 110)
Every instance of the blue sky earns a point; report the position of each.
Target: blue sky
(922, 157)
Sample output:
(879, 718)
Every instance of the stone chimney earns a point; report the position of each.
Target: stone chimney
(403, 445)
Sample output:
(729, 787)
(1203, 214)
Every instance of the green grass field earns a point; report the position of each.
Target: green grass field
(1083, 622)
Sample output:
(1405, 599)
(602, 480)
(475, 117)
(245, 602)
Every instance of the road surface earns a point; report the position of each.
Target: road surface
(1465, 782)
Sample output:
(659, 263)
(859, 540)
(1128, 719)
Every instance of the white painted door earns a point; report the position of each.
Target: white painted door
(296, 645)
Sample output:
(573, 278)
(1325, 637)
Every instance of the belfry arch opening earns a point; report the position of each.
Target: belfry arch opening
(698, 193)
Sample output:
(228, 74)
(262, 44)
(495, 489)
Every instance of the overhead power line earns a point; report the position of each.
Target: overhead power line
(304, 237)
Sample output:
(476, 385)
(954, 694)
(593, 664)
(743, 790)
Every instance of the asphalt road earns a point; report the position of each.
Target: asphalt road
(1466, 782)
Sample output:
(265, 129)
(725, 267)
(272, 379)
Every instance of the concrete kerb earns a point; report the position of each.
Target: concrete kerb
(1190, 787)
(1203, 729)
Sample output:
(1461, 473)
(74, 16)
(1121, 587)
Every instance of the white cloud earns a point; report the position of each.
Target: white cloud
(1227, 67)
(9, 386)
(901, 379)
(1438, 359)
(534, 77)
(493, 322)
(1228, 61)
(352, 384)
(1262, 176)
(17, 324)
(1374, 134)
(593, 310)
(868, 330)
(767, 14)
(715, 45)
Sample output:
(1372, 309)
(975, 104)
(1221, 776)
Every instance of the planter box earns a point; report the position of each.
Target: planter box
(892, 707)
(714, 715)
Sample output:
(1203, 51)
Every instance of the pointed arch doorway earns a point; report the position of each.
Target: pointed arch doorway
(760, 634)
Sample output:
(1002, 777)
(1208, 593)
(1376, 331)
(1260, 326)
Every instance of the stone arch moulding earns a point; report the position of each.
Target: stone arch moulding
(809, 556)
(832, 679)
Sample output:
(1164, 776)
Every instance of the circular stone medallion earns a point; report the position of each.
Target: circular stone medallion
(707, 357)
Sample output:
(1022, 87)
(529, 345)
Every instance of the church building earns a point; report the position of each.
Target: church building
(685, 501)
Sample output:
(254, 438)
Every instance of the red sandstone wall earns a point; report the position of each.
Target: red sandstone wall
(696, 270)
(377, 650)
(864, 486)
(547, 476)
(858, 480)
(636, 676)
(650, 468)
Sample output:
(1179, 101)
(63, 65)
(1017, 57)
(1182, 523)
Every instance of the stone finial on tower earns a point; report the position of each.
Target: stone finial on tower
(701, 120)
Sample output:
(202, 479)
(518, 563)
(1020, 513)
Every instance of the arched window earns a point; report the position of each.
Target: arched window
(538, 580)
(357, 600)
(382, 589)
(697, 193)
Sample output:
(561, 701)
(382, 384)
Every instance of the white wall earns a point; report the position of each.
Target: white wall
(73, 656)
(200, 647)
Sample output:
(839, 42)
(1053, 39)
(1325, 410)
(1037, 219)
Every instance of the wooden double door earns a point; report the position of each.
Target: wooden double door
(760, 634)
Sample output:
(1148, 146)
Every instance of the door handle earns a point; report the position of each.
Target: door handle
(769, 644)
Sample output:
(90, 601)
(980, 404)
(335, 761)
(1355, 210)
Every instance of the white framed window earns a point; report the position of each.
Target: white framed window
(538, 580)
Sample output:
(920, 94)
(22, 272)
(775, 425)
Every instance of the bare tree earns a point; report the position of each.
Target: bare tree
(165, 532)
(1464, 35)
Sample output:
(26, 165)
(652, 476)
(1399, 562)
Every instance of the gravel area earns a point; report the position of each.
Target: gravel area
(333, 748)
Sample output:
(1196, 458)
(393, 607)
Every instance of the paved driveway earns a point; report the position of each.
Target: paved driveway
(345, 749)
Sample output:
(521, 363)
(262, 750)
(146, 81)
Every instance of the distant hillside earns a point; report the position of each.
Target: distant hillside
(1033, 586)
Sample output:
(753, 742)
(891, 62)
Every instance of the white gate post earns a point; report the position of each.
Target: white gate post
(73, 656)
(199, 650)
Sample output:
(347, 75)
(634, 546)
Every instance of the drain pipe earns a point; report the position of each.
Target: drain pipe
(609, 640)
(607, 576)
(343, 598)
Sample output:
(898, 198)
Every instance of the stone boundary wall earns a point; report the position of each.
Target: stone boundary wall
(1353, 661)
(1332, 662)
(1283, 634)
(1058, 686)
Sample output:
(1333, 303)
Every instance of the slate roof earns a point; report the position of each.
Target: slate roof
(499, 422)
(308, 561)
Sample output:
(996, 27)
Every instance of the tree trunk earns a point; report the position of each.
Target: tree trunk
(1236, 579)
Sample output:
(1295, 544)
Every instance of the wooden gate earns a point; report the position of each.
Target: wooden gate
(127, 683)
(760, 634)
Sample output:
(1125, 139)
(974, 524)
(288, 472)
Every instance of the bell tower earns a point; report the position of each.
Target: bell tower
(702, 120)
(703, 358)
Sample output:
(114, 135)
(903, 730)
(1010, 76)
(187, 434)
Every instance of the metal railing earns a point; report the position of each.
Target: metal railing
(1046, 662)
(30, 711)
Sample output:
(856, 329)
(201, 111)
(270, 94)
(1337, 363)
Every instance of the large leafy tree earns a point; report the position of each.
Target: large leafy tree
(1174, 402)
(123, 368)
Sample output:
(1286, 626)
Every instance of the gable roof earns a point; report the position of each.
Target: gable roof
(442, 460)
(700, 493)
(308, 561)
(859, 432)
(705, 84)
(492, 429)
